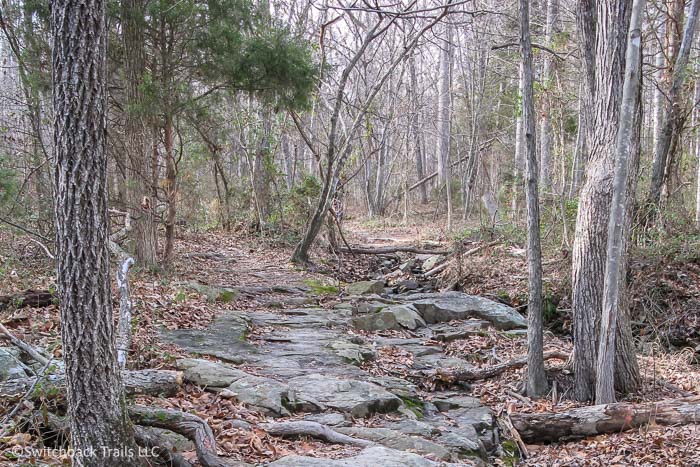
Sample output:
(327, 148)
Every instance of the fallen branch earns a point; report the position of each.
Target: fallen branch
(365, 250)
(151, 382)
(188, 425)
(26, 348)
(454, 375)
(315, 430)
(32, 298)
(438, 269)
(607, 418)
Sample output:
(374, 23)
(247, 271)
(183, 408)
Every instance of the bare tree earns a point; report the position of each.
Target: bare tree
(605, 380)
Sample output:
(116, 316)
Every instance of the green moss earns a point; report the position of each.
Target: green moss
(511, 452)
(227, 296)
(319, 288)
(414, 405)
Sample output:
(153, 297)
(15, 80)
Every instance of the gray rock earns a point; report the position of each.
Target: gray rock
(414, 427)
(407, 316)
(354, 353)
(175, 442)
(407, 285)
(416, 346)
(447, 332)
(10, 365)
(225, 338)
(450, 402)
(432, 261)
(369, 307)
(397, 440)
(460, 445)
(213, 293)
(365, 287)
(264, 394)
(315, 392)
(380, 321)
(447, 306)
(408, 265)
(377, 456)
(480, 417)
(399, 386)
(330, 419)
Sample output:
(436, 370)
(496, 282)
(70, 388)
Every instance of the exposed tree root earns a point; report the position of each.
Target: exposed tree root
(451, 376)
(315, 430)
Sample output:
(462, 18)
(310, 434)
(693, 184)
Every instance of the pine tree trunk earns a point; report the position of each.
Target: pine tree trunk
(100, 429)
(140, 205)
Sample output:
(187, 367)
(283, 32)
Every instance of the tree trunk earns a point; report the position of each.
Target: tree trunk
(674, 115)
(444, 100)
(536, 378)
(139, 203)
(415, 128)
(548, 78)
(170, 189)
(100, 429)
(605, 381)
(603, 95)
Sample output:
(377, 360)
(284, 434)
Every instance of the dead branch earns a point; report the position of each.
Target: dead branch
(26, 348)
(451, 375)
(438, 269)
(315, 430)
(124, 332)
(366, 250)
(607, 418)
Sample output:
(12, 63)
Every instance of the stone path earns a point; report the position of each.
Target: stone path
(307, 361)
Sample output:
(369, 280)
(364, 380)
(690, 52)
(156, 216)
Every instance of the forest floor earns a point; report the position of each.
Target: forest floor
(174, 319)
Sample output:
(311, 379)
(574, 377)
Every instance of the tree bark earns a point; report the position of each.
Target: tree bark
(548, 76)
(100, 429)
(139, 203)
(536, 378)
(674, 115)
(600, 27)
(415, 128)
(600, 419)
(605, 380)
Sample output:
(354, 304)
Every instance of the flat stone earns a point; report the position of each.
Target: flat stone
(398, 386)
(380, 321)
(448, 306)
(225, 337)
(315, 392)
(330, 419)
(377, 456)
(354, 353)
(213, 293)
(407, 285)
(397, 440)
(448, 332)
(408, 265)
(480, 417)
(262, 393)
(450, 402)
(414, 427)
(461, 445)
(365, 287)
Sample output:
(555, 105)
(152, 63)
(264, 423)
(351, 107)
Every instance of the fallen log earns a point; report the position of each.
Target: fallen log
(150, 382)
(607, 418)
(382, 250)
(32, 298)
(441, 267)
(315, 430)
(454, 375)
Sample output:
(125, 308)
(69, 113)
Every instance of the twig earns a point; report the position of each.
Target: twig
(44, 247)
(316, 430)
(24, 229)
